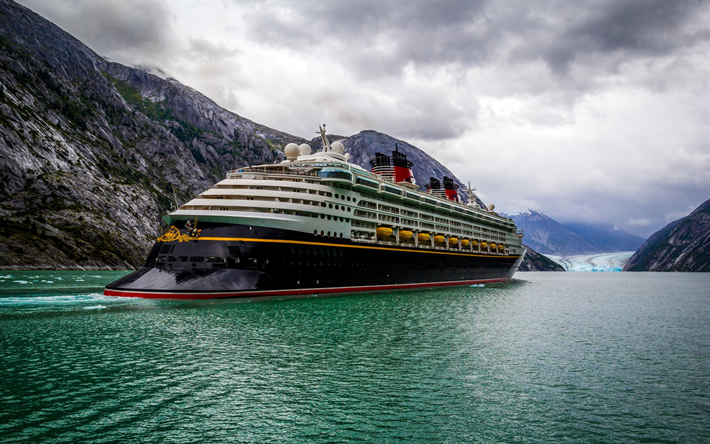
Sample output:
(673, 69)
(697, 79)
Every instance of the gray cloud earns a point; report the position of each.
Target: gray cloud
(136, 31)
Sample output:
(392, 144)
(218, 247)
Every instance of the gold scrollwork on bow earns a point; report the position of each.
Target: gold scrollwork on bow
(173, 234)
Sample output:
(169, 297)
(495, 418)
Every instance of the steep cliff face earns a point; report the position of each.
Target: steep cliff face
(683, 245)
(92, 152)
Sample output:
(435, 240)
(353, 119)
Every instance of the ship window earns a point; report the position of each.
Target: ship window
(171, 258)
(161, 259)
(348, 198)
(330, 205)
(315, 232)
(341, 236)
(336, 195)
(337, 207)
(196, 259)
(354, 200)
(329, 231)
(322, 216)
(321, 233)
(348, 209)
(182, 259)
(329, 217)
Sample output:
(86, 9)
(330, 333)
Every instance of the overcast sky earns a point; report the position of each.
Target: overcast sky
(586, 111)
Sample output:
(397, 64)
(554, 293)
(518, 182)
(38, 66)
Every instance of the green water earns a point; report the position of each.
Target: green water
(550, 357)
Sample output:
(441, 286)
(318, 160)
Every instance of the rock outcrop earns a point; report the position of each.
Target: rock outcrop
(683, 245)
(92, 153)
(535, 261)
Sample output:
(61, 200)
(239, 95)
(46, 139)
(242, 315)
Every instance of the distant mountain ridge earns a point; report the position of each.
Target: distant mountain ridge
(682, 245)
(547, 236)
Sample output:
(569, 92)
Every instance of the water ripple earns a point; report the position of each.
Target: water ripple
(553, 358)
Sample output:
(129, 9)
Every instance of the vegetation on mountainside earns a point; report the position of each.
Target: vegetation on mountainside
(157, 111)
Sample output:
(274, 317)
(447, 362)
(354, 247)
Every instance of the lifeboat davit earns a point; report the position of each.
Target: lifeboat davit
(384, 232)
(453, 241)
(405, 235)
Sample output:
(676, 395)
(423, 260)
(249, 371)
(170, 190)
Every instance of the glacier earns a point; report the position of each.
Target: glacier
(593, 262)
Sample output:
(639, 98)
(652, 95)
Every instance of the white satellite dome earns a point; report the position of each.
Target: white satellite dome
(291, 151)
(304, 149)
(337, 147)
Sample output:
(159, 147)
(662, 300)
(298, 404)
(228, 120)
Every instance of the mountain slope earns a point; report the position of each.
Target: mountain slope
(547, 236)
(535, 261)
(683, 245)
(606, 237)
(92, 152)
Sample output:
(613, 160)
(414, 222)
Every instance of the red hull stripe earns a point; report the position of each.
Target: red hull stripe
(291, 292)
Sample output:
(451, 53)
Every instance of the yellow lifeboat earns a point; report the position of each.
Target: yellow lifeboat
(501, 247)
(484, 245)
(493, 247)
(423, 237)
(474, 243)
(439, 239)
(453, 241)
(405, 235)
(465, 242)
(384, 232)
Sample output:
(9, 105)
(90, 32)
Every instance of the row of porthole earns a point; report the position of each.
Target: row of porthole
(348, 198)
(323, 233)
(316, 251)
(314, 263)
(337, 207)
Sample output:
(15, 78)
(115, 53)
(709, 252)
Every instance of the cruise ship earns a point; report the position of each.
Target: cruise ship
(317, 224)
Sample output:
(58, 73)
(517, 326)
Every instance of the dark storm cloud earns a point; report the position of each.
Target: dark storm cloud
(138, 31)
(384, 37)
(634, 29)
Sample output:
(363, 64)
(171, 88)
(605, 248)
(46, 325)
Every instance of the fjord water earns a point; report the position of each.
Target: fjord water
(549, 357)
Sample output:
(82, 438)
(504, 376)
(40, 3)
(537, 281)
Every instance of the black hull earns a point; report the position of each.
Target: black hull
(239, 261)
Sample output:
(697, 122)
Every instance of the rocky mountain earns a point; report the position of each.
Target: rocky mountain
(548, 236)
(606, 237)
(92, 152)
(535, 261)
(683, 245)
